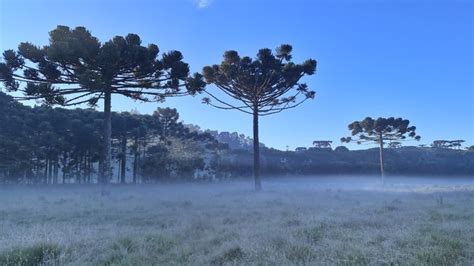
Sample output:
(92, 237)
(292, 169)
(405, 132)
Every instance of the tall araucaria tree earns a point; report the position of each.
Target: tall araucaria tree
(265, 85)
(380, 130)
(75, 68)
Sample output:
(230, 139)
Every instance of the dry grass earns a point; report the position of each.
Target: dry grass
(303, 221)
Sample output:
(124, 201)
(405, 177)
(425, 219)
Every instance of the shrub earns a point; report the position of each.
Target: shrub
(234, 254)
(39, 253)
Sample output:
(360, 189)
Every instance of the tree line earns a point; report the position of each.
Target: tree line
(44, 145)
(55, 145)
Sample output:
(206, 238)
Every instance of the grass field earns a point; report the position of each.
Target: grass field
(344, 221)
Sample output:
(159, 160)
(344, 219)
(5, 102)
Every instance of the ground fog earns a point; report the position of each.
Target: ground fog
(319, 220)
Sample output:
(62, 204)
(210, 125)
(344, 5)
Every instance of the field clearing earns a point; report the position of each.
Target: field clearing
(333, 220)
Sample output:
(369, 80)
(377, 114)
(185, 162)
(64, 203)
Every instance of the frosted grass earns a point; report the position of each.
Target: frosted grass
(320, 220)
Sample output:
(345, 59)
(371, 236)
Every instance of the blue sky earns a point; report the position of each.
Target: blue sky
(412, 59)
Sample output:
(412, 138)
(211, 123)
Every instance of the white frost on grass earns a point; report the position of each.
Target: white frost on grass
(326, 220)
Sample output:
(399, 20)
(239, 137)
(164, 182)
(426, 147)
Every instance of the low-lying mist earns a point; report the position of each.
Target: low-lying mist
(294, 220)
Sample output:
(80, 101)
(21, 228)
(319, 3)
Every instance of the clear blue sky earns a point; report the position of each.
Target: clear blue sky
(412, 59)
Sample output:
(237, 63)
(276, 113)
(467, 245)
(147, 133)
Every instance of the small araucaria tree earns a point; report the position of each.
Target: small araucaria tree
(75, 68)
(265, 85)
(380, 130)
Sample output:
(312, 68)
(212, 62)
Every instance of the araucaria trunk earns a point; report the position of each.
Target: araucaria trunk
(135, 160)
(382, 172)
(256, 152)
(107, 172)
(123, 161)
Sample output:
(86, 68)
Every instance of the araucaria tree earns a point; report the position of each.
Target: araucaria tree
(265, 85)
(75, 68)
(379, 131)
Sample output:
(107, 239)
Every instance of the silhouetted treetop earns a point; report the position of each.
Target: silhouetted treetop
(447, 144)
(391, 129)
(261, 83)
(85, 68)
(322, 144)
(341, 149)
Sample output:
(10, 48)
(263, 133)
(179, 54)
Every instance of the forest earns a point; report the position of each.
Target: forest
(45, 145)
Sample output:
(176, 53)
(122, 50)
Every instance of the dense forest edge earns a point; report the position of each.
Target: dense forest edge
(45, 145)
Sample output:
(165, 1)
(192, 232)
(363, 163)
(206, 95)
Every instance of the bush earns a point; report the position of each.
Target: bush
(235, 254)
(40, 253)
